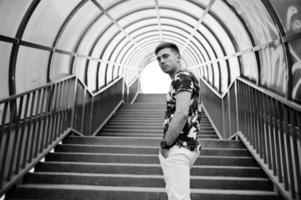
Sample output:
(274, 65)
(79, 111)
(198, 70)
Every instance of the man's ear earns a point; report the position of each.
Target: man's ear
(179, 57)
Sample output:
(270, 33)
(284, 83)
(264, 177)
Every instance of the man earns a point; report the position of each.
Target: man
(179, 147)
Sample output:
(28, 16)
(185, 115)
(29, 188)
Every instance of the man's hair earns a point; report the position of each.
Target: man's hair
(164, 45)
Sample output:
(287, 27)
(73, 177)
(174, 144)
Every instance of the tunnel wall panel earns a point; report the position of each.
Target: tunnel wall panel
(289, 14)
(295, 52)
(31, 68)
(274, 74)
(11, 14)
(5, 49)
(60, 66)
(42, 28)
(77, 26)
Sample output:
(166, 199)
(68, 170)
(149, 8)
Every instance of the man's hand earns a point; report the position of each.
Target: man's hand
(164, 152)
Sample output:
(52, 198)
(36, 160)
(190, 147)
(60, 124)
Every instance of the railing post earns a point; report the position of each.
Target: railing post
(229, 115)
(83, 113)
(73, 105)
(236, 105)
(91, 116)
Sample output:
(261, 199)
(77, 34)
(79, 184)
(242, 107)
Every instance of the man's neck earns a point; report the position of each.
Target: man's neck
(172, 75)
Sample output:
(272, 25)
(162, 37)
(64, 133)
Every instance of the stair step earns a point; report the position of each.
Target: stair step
(147, 141)
(88, 192)
(139, 118)
(140, 130)
(212, 136)
(123, 134)
(145, 127)
(145, 158)
(143, 150)
(133, 180)
(134, 123)
(136, 168)
(127, 120)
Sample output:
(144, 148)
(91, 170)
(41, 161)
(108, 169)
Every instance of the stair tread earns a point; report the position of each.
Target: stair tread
(139, 155)
(149, 165)
(194, 177)
(141, 189)
(146, 147)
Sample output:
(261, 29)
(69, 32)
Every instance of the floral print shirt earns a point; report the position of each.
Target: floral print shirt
(184, 81)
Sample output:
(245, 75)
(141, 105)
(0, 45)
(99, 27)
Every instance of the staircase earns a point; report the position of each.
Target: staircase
(122, 163)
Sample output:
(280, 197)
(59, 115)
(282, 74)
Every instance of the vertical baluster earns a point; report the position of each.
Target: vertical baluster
(16, 142)
(61, 103)
(29, 130)
(3, 144)
(272, 132)
(43, 125)
(52, 115)
(56, 112)
(277, 140)
(91, 116)
(37, 125)
(10, 136)
(267, 131)
(64, 104)
(243, 103)
(298, 121)
(254, 121)
(253, 118)
(282, 143)
(60, 110)
(48, 116)
(257, 122)
(294, 150)
(84, 103)
(288, 150)
(34, 124)
(45, 119)
(261, 126)
(41, 129)
(21, 153)
(248, 112)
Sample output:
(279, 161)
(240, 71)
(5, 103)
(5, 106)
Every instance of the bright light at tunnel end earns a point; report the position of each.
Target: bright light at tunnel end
(153, 80)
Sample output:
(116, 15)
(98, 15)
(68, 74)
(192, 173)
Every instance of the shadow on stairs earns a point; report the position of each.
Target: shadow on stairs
(122, 163)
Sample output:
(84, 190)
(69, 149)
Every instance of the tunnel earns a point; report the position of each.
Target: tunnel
(70, 68)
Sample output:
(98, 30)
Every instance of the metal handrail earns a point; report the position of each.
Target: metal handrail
(269, 123)
(46, 109)
(280, 98)
(5, 99)
(50, 109)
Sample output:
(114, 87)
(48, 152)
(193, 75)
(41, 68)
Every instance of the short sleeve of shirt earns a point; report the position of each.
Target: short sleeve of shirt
(183, 82)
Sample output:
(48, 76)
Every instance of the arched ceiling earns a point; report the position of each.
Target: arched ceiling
(100, 40)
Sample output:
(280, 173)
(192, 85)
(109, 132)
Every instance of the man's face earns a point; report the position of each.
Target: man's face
(168, 60)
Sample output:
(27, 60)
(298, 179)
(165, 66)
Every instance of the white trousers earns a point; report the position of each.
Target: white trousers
(176, 171)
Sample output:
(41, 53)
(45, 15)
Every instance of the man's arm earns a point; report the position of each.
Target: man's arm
(179, 119)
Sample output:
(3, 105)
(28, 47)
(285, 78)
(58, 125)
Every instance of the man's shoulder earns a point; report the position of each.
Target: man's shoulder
(183, 74)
